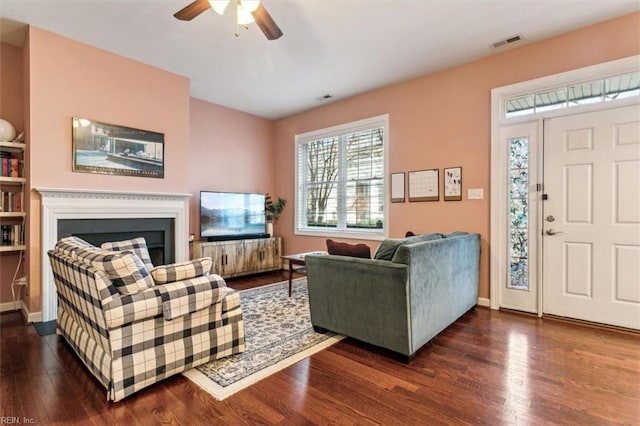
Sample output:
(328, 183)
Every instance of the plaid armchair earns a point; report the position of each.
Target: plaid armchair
(131, 331)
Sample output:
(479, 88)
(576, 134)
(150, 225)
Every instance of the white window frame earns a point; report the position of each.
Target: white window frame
(360, 125)
(499, 158)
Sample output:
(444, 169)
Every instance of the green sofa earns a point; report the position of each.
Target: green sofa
(398, 304)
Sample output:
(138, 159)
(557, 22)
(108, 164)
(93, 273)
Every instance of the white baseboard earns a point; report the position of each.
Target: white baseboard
(483, 301)
(10, 306)
(20, 306)
(31, 316)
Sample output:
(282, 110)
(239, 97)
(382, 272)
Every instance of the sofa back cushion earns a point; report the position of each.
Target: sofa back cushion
(125, 269)
(387, 249)
(136, 245)
(346, 249)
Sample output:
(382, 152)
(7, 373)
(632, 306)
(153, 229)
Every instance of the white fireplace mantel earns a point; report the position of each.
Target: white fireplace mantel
(59, 204)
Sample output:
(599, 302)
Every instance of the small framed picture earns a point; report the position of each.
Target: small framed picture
(453, 184)
(397, 187)
(423, 185)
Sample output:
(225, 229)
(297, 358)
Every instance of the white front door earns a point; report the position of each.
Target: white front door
(591, 217)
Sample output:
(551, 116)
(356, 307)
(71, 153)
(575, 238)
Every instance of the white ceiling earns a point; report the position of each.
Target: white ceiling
(332, 47)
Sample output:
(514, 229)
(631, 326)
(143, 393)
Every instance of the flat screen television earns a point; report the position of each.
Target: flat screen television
(231, 216)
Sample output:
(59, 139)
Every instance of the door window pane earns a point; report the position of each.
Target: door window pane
(518, 213)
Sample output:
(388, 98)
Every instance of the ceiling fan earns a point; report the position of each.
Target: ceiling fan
(248, 11)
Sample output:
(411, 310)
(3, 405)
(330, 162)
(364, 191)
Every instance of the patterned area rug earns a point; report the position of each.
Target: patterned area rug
(278, 333)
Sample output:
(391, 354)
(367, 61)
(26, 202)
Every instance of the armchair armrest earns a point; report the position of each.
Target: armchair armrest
(172, 300)
(181, 271)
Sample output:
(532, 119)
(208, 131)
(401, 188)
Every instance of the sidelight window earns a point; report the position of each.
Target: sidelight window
(519, 213)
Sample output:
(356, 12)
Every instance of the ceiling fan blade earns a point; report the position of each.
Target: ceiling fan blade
(266, 23)
(192, 10)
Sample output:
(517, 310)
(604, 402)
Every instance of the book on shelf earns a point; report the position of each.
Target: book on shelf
(10, 166)
(11, 235)
(14, 167)
(4, 164)
(10, 201)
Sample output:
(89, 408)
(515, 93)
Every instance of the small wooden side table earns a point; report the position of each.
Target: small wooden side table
(298, 259)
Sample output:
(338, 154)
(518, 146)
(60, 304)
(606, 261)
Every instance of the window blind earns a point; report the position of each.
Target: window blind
(341, 179)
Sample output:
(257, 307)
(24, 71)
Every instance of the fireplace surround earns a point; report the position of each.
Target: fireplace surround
(64, 204)
(157, 232)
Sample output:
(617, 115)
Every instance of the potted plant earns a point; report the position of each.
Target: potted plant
(272, 210)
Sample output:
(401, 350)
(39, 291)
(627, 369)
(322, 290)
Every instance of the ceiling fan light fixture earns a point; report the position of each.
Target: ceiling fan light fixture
(219, 5)
(249, 5)
(244, 16)
(247, 11)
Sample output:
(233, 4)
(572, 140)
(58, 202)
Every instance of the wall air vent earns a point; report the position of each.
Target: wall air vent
(506, 41)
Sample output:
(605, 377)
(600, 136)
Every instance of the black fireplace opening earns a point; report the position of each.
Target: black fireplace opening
(158, 232)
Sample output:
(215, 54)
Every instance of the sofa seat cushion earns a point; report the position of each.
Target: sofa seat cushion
(181, 271)
(136, 245)
(124, 268)
(387, 248)
(346, 249)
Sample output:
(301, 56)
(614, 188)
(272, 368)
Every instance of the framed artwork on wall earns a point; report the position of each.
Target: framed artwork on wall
(397, 187)
(423, 185)
(116, 150)
(453, 184)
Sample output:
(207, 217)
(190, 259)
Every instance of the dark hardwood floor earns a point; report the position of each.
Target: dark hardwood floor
(488, 368)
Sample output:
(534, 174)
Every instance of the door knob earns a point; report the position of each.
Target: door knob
(550, 218)
(552, 232)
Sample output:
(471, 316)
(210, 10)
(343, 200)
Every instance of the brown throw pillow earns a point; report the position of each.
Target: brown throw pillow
(409, 234)
(346, 249)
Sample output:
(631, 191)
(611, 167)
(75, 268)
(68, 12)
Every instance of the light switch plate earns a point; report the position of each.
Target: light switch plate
(475, 194)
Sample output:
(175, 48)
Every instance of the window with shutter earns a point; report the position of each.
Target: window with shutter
(341, 180)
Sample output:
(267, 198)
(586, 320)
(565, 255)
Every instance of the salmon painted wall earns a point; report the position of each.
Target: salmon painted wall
(443, 120)
(67, 79)
(229, 151)
(11, 104)
(11, 109)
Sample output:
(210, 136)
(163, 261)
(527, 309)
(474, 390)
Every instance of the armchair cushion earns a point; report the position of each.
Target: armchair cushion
(172, 300)
(136, 245)
(181, 271)
(69, 245)
(126, 271)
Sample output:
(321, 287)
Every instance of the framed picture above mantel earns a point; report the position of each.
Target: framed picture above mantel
(116, 150)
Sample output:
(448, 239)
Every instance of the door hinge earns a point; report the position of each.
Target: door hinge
(538, 187)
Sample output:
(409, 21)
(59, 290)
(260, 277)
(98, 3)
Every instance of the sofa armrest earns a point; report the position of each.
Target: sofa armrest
(363, 298)
(173, 300)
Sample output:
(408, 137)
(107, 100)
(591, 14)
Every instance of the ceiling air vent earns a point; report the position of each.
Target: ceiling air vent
(505, 42)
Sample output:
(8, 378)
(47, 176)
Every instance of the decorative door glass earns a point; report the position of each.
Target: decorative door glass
(518, 213)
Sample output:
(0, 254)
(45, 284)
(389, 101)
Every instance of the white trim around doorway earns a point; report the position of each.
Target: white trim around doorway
(499, 195)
